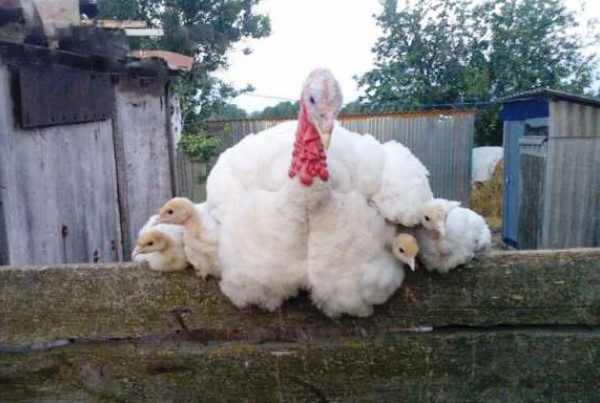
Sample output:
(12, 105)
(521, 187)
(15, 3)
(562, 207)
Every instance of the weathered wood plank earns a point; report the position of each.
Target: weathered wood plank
(461, 365)
(59, 191)
(143, 155)
(117, 301)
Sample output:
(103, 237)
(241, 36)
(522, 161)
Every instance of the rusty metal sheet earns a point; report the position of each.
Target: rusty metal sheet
(58, 95)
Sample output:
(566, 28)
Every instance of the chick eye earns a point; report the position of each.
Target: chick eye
(312, 100)
(169, 211)
(401, 250)
(150, 243)
(426, 218)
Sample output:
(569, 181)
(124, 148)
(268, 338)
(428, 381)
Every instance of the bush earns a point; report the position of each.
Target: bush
(199, 146)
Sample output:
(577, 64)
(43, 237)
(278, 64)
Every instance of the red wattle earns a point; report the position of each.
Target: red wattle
(308, 158)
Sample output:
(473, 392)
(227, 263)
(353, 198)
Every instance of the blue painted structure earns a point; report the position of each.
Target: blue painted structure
(551, 156)
(517, 115)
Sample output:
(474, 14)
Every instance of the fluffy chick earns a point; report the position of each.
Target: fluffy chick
(433, 216)
(463, 234)
(161, 246)
(200, 237)
(406, 249)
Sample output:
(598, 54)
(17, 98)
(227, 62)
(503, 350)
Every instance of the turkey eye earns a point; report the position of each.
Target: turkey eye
(170, 211)
(401, 250)
(312, 100)
(150, 243)
(426, 218)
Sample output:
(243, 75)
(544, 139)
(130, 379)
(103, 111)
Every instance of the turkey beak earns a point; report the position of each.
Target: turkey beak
(411, 264)
(325, 127)
(441, 229)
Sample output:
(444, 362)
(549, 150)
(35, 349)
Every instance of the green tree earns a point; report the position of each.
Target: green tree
(458, 51)
(204, 29)
(229, 112)
(282, 110)
(353, 108)
(122, 9)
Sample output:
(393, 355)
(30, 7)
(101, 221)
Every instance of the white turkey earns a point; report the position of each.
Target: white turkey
(305, 204)
(450, 235)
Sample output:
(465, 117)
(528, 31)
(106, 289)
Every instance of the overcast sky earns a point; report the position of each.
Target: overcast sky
(337, 34)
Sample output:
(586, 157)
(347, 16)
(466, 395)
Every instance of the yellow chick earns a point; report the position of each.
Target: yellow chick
(161, 249)
(200, 234)
(406, 249)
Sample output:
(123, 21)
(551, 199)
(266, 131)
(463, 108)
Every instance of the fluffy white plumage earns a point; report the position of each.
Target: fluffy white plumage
(278, 236)
(466, 233)
(202, 252)
(290, 220)
(350, 267)
(167, 257)
(404, 187)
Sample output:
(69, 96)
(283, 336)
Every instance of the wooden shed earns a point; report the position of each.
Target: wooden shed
(86, 149)
(552, 170)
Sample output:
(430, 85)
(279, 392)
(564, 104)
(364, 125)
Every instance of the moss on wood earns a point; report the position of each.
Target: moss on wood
(129, 301)
(459, 365)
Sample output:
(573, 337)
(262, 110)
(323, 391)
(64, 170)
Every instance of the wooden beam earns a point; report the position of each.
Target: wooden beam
(144, 32)
(453, 365)
(122, 24)
(124, 300)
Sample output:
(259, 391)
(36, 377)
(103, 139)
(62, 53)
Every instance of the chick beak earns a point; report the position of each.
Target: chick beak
(136, 251)
(411, 264)
(441, 229)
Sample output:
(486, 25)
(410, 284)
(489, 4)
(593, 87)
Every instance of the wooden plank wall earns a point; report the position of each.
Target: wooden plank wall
(80, 193)
(59, 190)
(140, 129)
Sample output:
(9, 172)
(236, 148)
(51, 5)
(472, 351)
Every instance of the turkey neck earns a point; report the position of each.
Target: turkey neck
(309, 160)
(309, 165)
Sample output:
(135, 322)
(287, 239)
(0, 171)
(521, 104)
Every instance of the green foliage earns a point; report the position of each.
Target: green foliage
(229, 112)
(457, 51)
(354, 107)
(122, 9)
(199, 146)
(282, 110)
(204, 29)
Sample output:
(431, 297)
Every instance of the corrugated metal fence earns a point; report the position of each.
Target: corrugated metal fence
(572, 195)
(441, 139)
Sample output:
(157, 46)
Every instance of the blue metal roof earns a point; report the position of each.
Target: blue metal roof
(522, 109)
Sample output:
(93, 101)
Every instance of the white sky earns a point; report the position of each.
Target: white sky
(337, 34)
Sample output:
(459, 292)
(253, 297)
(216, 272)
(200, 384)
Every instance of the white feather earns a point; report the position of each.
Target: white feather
(466, 234)
(277, 236)
(350, 267)
(202, 253)
(404, 186)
